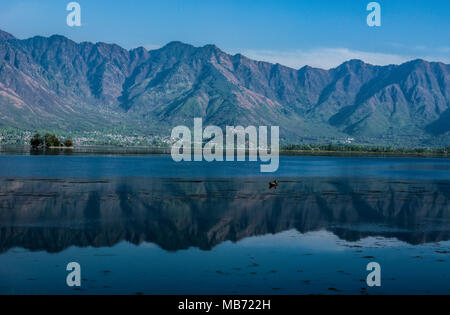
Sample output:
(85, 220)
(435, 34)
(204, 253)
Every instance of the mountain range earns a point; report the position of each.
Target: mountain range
(57, 84)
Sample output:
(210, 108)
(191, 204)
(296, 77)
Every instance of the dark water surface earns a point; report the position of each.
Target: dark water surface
(144, 224)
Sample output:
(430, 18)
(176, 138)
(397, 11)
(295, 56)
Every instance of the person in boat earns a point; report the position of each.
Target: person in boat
(273, 185)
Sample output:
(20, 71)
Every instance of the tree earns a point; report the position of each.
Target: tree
(51, 141)
(36, 141)
(68, 143)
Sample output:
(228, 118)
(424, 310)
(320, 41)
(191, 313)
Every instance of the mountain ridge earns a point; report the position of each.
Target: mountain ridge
(56, 83)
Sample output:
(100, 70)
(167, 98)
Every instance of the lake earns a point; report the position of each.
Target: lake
(145, 224)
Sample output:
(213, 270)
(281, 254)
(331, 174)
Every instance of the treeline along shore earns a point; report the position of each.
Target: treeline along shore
(333, 149)
(288, 150)
(49, 141)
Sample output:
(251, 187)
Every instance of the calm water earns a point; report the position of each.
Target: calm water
(144, 224)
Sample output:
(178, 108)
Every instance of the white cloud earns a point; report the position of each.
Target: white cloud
(327, 58)
(152, 47)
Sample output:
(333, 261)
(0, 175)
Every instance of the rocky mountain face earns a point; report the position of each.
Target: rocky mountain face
(57, 83)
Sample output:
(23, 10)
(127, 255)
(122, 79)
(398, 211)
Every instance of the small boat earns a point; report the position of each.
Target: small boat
(273, 185)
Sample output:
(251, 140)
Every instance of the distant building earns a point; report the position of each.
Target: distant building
(350, 140)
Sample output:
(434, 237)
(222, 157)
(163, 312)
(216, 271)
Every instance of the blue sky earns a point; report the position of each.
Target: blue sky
(292, 32)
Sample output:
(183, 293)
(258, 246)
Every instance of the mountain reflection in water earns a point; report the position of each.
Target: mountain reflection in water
(177, 214)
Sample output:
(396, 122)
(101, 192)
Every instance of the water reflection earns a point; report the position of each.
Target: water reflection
(176, 214)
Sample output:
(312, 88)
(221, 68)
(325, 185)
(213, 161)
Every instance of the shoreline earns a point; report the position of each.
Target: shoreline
(137, 150)
(363, 154)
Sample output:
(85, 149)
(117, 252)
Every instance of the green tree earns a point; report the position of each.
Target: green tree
(36, 141)
(51, 141)
(68, 143)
